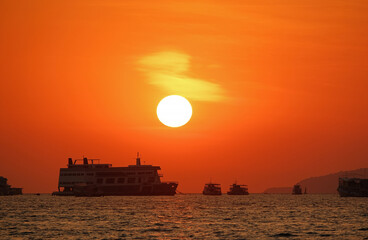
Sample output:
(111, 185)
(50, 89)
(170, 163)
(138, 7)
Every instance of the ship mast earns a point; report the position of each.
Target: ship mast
(138, 160)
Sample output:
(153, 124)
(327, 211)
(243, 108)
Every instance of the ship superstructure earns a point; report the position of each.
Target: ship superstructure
(94, 179)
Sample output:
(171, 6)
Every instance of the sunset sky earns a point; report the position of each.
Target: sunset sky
(278, 88)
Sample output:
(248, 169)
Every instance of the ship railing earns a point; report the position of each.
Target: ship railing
(170, 182)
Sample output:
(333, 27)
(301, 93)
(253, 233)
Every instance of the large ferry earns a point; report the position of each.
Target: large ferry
(94, 179)
(353, 187)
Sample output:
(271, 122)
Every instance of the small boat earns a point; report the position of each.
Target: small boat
(297, 190)
(212, 189)
(237, 189)
(353, 187)
(6, 189)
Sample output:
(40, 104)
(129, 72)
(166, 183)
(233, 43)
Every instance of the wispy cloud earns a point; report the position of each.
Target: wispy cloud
(169, 71)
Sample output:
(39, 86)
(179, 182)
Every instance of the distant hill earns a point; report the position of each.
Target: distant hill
(322, 184)
(329, 183)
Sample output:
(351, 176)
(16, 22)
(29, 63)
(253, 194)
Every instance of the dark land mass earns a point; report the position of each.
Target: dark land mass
(322, 184)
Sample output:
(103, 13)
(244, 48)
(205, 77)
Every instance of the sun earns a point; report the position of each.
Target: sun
(174, 111)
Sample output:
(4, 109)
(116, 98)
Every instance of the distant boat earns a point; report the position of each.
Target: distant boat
(297, 190)
(212, 189)
(6, 189)
(236, 189)
(353, 187)
(95, 179)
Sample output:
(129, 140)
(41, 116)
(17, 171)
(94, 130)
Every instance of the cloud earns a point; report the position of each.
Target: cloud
(169, 71)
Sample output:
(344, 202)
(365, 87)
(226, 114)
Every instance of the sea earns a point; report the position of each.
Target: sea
(184, 216)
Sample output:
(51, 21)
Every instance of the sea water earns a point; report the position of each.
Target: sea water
(256, 216)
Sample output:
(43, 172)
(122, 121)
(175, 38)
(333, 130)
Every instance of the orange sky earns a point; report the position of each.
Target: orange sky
(279, 88)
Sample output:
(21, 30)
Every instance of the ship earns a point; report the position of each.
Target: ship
(94, 179)
(297, 190)
(6, 189)
(353, 187)
(212, 189)
(236, 189)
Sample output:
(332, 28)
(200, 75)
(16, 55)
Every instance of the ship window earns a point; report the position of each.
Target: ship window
(139, 180)
(89, 174)
(130, 173)
(121, 180)
(110, 180)
(151, 179)
(110, 174)
(131, 180)
(99, 180)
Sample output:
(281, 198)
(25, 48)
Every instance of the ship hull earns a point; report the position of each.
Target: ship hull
(351, 193)
(237, 193)
(62, 193)
(163, 189)
(212, 192)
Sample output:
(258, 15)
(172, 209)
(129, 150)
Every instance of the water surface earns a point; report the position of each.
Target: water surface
(256, 216)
